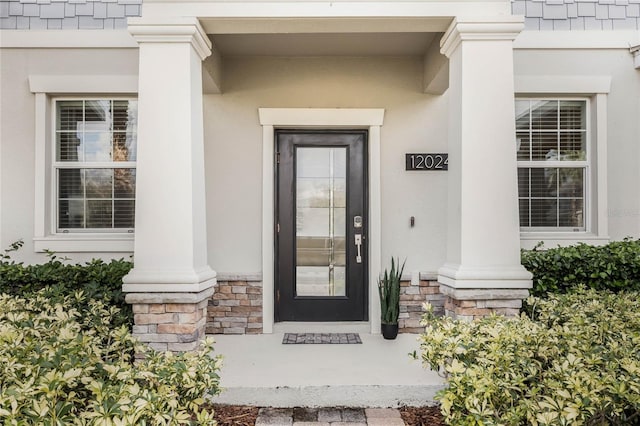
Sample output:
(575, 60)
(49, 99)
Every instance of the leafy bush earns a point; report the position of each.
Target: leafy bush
(615, 267)
(59, 367)
(576, 361)
(97, 279)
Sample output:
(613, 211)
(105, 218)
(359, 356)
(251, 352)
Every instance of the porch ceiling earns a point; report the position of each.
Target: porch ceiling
(324, 44)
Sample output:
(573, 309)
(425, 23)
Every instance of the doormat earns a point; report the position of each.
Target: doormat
(321, 338)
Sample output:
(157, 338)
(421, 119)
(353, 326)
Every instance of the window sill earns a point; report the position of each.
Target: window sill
(529, 240)
(83, 243)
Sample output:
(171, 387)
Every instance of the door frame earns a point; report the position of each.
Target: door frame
(370, 119)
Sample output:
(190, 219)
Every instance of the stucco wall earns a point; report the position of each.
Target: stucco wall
(623, 128)
(414, 122)
(17, 129)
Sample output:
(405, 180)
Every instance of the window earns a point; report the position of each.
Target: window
(94, 165)
(553, 164)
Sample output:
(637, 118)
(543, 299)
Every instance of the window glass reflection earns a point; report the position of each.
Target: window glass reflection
(91, 138)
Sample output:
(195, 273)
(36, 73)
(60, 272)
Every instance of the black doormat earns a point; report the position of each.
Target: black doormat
(321, 338)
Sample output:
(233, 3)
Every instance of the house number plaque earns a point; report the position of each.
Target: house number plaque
(427, 161)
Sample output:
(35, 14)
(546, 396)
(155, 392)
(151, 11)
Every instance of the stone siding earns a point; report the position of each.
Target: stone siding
(236, 308)
(170, 321)
(470, 304)
(412, 297)
(472, 309)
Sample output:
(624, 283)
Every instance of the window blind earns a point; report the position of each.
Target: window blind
(551, 140)
(95, 164)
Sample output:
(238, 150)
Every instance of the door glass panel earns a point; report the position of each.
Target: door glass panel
(320, 221)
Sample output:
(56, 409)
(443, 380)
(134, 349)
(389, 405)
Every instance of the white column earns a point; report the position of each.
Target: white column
(483, 244)
(170, 253)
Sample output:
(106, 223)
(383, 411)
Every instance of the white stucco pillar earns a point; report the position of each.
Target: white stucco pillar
(170, 252)
(483, 244)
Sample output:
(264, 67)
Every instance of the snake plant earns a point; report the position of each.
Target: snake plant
(389, 290)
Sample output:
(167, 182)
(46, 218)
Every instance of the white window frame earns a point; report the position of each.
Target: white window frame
(594, 89)
(67, 165)
(47, 89)
(584, 164)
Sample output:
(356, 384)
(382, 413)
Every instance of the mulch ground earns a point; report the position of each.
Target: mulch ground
(422, 416)
(235, 415)
(239, 415)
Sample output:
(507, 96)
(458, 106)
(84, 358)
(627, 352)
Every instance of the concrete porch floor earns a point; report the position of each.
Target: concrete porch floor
(259, 370)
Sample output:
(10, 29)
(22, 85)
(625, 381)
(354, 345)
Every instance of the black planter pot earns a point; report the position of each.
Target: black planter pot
(389, 331)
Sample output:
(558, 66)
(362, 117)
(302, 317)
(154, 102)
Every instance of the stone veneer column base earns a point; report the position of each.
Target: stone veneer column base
(412, 297)
(469, 304)
(170, 321)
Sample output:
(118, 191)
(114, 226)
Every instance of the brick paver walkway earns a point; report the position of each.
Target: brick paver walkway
(329, 417)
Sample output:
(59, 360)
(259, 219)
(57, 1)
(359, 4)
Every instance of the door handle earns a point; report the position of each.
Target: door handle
(359, 247)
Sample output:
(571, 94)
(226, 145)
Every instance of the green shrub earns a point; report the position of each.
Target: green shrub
(615, 267)
(58, 367)
(97, 279)
(577, 361)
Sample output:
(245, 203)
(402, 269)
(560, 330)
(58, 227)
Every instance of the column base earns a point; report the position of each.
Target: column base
(478, 292)
(167, 281)
(170, 321)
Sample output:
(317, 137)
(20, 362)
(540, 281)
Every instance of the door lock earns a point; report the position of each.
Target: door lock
(357, 221)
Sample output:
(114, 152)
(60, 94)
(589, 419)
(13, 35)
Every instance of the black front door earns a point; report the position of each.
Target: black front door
(321, 226)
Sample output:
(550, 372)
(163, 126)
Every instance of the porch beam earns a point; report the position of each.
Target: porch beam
(212, 73)
(436, 69)
(372, 9)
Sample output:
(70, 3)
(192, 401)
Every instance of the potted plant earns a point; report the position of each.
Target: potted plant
(389, 290)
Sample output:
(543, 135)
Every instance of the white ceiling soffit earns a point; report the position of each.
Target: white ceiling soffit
(323, 44)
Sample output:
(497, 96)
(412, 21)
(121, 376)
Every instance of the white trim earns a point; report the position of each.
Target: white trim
(596, 192)
(595, 89)
(37, 39)
(576, 40)
(94, 243)
(599, 166)
(42, 166)
(375, 226)
(325, 9)
(270, 118)
(268, 238)
(174, 30)
(494, 277)
(541, 85)
(635, 51)
(160, 280)
(502, 28)
(44, 228)
(550, 240)
(82, 84)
